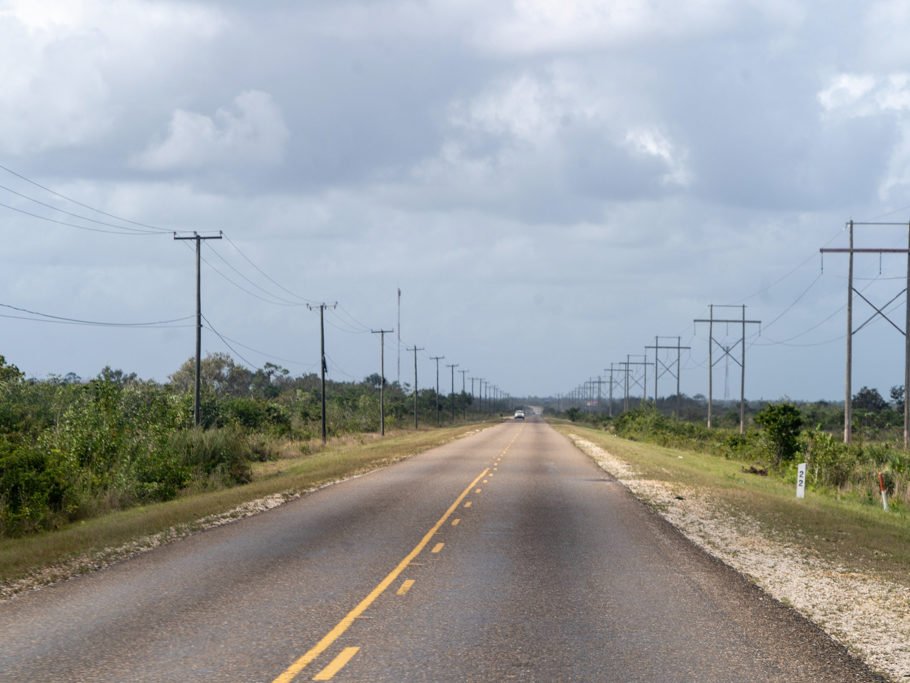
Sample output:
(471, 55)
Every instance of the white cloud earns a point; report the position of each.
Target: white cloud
(654, 143)
(65, 65)
(543, 26)
(541, 142)
(846, 90)
(252, 131)
(874, 96)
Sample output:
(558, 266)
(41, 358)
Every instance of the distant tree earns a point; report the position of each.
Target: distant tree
(269, 380)
(117, 377)
(897, 395)
(374, 380)
(870, 400)
(9, 372)
(217, 371)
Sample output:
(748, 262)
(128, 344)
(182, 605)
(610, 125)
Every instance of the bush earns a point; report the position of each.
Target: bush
(219, 456)
(781, 424)
(36, 490)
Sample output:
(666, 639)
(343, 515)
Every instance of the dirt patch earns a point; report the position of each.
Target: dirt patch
(868, 615)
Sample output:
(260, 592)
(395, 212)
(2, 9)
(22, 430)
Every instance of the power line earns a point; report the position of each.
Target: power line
(342, 309)
(278, 299)
(337, 367)
(124, 231)
(266, 354)
(790, 272)
(795, 301)
(227, 344)
(266, 275)
(244, 289)
(98, 323)
(148, 226)
(76, 215)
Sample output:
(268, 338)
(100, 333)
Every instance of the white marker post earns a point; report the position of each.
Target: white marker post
(881, 483)
(801, 480)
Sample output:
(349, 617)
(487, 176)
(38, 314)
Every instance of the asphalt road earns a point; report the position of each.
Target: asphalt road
(503, 555)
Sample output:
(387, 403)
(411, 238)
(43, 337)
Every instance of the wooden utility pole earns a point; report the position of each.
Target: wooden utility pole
(464, 410)
(727, 353)
(658, 347)
(437, 359)
(879, 311)
(452, 366)
(644, 383)
(415, 349)
(322, 364)
(382, 334)
(599, 382)
(197, 414)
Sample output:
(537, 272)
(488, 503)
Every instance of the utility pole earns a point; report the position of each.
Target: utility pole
(629, 363)
(625, 399)
(667, 368)
(610, 407)
(465, 406)
(399, 336)
(727, 353)
(599, 382)
(437, 359)
(452, 366)
(197, 415)
(879, 311)
(415, 349)
(382, 334)
(322, 364)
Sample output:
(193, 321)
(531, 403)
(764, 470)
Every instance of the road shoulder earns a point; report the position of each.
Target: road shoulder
(867, 614)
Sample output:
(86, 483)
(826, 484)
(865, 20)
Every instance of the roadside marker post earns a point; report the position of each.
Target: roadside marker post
(881, 484)
(801, 480)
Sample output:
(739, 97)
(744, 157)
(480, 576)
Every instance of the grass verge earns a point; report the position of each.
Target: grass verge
(292, 473)
(858, 536)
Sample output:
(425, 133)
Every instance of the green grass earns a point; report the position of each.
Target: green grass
(841, 529)
(339, 459)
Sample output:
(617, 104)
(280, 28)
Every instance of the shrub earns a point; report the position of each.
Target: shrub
(36, 489)
(781, 423)
(213, 456)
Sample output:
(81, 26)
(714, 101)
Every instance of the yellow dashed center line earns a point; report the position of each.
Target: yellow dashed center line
(336, 665)
(351, 617)
(456, 522)
(342, 659)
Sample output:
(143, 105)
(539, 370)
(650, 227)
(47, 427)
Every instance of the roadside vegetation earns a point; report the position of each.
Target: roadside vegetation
(71, 450)
(844, 528)
(779, 436)
(89, 543)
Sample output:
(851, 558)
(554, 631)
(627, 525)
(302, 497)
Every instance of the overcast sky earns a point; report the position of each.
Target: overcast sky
(550, 184)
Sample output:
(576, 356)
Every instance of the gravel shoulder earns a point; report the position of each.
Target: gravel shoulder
(867, 614)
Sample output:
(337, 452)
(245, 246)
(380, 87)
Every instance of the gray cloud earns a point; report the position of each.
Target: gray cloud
(549, 184)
